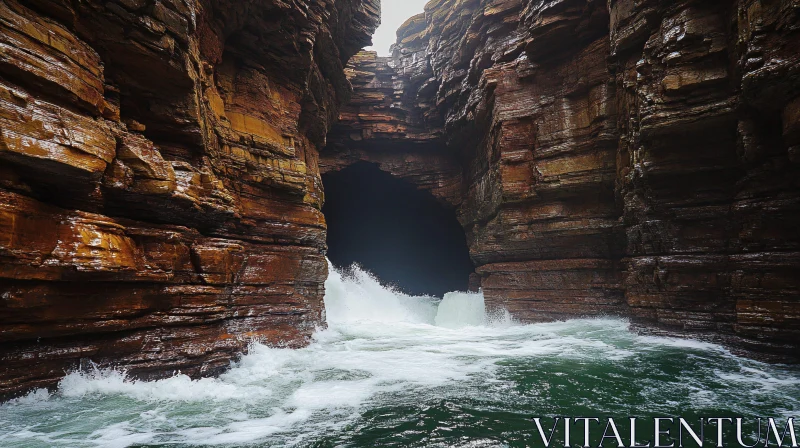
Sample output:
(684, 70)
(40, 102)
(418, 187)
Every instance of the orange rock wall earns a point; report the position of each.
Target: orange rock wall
(624, 157)
(159, 187)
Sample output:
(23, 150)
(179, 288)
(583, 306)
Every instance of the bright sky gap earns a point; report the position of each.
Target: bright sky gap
(393, 14)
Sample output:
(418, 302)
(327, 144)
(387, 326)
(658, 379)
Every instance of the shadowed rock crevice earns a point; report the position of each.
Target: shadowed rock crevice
(401, 234)
(621, 157)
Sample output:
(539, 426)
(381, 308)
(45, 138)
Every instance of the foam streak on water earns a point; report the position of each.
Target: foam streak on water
(395, 370)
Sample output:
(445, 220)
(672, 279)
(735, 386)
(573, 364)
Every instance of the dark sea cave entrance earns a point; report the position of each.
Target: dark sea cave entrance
(399, 233)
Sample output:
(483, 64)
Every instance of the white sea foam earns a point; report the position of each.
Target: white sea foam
(176, 388)
(381, 348)
(459, 309)
(358, 296)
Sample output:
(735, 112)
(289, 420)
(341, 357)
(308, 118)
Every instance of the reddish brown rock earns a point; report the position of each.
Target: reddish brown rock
(384, 123)
(637, 158)
(709, 189)
(531, 145)
(159, 189)
(160, 173)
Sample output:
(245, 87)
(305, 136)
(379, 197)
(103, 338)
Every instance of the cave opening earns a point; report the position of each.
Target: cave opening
(399, 233)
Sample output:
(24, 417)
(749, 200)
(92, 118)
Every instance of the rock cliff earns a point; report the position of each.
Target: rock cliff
(160, 164)
(159, 188)
(621, 157)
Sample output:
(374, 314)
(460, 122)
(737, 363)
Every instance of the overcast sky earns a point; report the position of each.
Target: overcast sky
(393, 14)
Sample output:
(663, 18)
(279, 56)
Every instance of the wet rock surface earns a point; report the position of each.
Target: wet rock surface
(160, 161)
(160, 193)
(624, 157)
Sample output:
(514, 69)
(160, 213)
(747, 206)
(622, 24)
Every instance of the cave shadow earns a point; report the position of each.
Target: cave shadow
(399, 233)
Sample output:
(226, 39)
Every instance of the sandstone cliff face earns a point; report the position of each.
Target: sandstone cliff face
(384, 123)
(159, 188)
(605, 157)
(160, 184)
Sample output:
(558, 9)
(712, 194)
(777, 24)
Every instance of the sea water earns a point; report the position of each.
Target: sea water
(403, 371)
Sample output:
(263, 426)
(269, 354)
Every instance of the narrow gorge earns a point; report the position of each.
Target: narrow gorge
(633, 158)
(164, 167)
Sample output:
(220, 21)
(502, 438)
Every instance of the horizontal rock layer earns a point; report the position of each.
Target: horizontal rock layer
(159, 187)
(624, 157)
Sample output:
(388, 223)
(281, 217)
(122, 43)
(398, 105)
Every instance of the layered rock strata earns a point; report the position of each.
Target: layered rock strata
(159, 187)
(621, 157)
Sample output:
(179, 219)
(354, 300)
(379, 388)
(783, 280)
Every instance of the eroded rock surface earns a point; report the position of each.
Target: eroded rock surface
(605, 157)
(159, 187)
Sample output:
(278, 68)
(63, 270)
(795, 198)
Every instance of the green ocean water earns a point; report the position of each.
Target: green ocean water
(399, 371)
